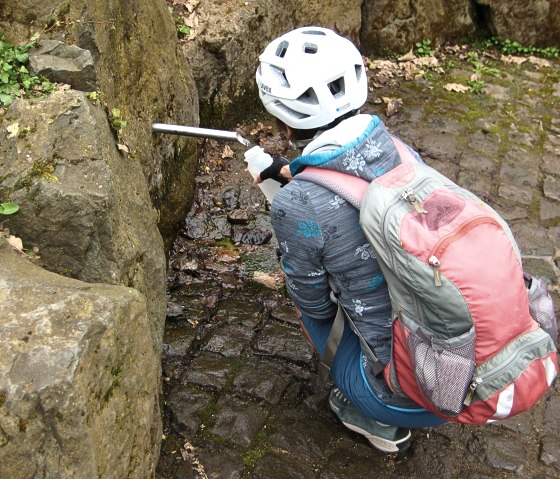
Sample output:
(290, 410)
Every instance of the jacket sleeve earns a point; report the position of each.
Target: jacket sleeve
(301, 245)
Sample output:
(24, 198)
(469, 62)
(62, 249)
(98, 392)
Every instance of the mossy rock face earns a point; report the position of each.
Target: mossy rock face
(62, 409)
(140, 72)
(395, 25)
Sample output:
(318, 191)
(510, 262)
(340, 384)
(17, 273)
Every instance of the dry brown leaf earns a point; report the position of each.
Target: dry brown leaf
(456, 87)
(513, 59)
(539, 62)
(15, 242)
(13, 130)
(431, 62)
(407, 57)
(393, 105)
(228, 152)
(272, 281)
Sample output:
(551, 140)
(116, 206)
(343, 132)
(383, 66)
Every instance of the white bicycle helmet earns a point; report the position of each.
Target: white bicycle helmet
(310, 76)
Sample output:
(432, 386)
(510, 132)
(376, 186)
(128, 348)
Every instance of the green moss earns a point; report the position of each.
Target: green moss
(260, 449)
(39, 170)
(250, 458)
(3, 396)
(207, 414)
(63, 11)
(111, 391)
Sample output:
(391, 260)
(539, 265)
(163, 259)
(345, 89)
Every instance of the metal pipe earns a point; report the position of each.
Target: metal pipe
(199, 132)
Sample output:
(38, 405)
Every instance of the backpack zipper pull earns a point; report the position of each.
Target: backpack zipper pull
(435, 264)
(409, 196)
(472, 388)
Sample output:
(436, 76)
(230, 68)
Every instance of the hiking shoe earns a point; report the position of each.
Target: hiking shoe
(389, 439)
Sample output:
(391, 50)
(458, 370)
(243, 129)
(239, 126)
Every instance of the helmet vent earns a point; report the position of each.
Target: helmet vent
(309, 97)
(279, 76)
(336, 87)
(314, 32)
(310, 48)
(282, 49)
(359, 70)
(288, 111)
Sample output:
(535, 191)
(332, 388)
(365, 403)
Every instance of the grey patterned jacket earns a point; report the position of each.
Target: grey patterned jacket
(320, 237)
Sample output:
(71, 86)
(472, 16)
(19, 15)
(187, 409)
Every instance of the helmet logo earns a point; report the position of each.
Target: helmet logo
(343, 107)
(265, 88)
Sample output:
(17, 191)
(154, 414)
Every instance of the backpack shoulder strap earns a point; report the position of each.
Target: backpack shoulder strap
(352, 188)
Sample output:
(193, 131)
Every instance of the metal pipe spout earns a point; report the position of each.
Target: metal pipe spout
(199, 132)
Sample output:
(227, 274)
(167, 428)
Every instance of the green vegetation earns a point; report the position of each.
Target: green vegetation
(15, 79)
(424, 49)
(39, 169)
(260, 449)
(117, 122)
(8, 208)
(182, 29)
(512, 47)
(180, 24)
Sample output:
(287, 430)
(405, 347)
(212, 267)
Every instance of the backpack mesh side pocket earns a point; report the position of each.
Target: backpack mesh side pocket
(444, 375)
(541, 306)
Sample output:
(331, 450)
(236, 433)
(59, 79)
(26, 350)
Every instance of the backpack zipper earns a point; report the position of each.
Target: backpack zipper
(436, 252)
(477, 381)
(409, 196)
(465, 227)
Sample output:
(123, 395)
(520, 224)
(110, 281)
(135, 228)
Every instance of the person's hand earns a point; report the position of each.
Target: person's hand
(278, 171)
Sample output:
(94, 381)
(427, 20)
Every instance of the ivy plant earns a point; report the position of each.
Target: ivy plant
(15, 79)
(513, 47)
(8, 208)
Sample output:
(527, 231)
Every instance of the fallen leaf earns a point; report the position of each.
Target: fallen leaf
(407, 57)
(13, 130)
(122, 147)
(539, 62)
(393, 105)
(512, 59)
(15, 242)
(474, 77)
(272, 281)
(457, 87)
(228, 152)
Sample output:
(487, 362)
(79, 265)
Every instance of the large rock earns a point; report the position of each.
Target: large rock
(83, 205)
(530, 23)
(395, 25)
(78, 377)
(140, 71)
(64, 64)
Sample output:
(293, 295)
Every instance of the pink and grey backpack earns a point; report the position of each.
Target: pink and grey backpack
(473, 336)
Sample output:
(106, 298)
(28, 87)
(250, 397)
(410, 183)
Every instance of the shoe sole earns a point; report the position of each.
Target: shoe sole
(385, 445)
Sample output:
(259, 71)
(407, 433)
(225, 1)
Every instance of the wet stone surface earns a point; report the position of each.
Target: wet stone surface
(240, 394)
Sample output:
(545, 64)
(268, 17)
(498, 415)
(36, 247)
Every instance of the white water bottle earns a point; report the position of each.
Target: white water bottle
(257, 160)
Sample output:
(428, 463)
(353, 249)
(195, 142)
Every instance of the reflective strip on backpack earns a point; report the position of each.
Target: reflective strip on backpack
(550, 369)
(505, 402)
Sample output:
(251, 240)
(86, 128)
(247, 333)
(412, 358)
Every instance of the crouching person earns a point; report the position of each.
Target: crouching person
(313, 82)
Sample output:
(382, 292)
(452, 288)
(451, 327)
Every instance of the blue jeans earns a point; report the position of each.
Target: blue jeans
(348, 375)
